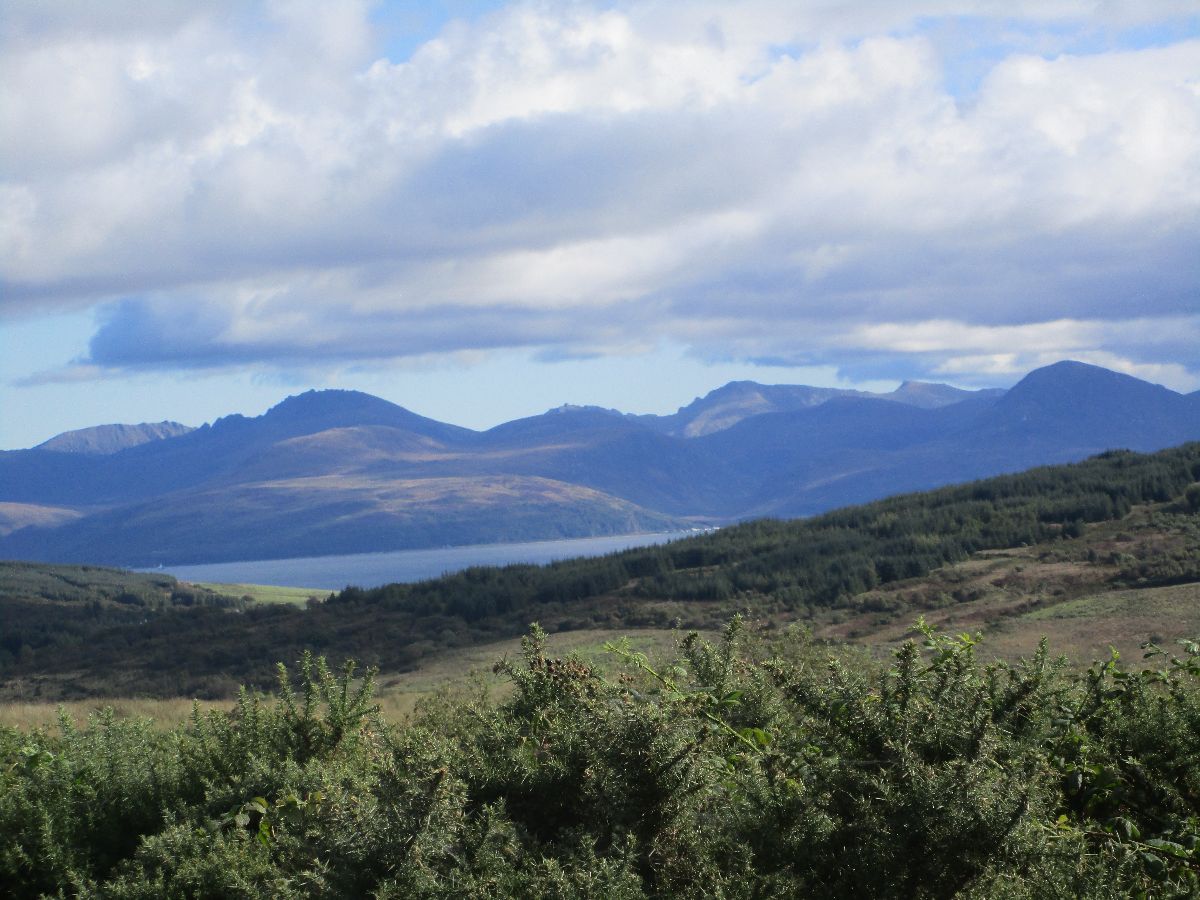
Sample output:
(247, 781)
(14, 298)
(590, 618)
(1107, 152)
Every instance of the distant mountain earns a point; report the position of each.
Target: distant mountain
(1082, 405)
(740, 400)
(315, 411)
(332, 514)
(928, 395)
(101, 440)
(854, 450)
(342, 471)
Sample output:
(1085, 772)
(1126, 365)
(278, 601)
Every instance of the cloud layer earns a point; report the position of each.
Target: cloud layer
(235, 186)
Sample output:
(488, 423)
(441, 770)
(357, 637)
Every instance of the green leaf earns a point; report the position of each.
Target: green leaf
(760, 737)
(1169, 847)
(1155, 867)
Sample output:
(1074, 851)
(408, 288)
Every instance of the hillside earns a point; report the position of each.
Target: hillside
(101, 440)
(348, 513)
(767, 763)
(738, 768)
(1121, 521)
(344, 472)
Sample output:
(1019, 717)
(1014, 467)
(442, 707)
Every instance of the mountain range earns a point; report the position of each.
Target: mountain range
(343, 472)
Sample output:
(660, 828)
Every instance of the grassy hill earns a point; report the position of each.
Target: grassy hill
(1122, 521)
(772, 762)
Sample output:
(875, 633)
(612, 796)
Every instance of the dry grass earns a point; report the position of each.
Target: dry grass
(20, 515)
(1014, 599)
(1085, 629)
(471, 668)
(165, 713)
(398, 694)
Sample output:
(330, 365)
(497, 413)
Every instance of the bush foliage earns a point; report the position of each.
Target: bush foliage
(740, 769)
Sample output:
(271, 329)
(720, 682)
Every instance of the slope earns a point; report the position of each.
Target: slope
(833, 565)
(102, 440)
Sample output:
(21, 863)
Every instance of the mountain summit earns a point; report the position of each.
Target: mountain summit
(1087, 405)
(315, 411)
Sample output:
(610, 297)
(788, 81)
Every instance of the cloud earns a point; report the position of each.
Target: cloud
(234, 186)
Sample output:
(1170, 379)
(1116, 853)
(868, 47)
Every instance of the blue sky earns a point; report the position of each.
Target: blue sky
(483, 209)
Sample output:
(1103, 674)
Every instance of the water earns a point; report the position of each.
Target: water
(332, 573)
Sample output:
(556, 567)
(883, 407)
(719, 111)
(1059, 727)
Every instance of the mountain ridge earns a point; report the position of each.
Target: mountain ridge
(274, 483)
(102, 440)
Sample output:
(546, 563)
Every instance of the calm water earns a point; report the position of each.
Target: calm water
(333, 573)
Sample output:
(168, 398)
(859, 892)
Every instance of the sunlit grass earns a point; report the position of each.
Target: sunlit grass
(165, 713)
(266, 593)
(397, 694)
(471, 668)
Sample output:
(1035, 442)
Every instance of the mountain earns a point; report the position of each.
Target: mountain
(848, 450)
(101, 440)
(322, 472)
(322, 515)
(342, 471)
(928, 395)
(855, 450)
(741, 400)
(315, 411)
(1091, 406)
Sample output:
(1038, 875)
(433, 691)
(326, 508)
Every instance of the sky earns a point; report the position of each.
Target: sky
(481, 210)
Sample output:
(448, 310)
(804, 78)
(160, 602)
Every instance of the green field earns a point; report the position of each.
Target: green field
(266, 593)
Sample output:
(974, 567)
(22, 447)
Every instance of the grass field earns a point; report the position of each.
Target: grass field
(397, 693)
(1084, 628)
(265, 593)
(1079, 619)
(165, 713)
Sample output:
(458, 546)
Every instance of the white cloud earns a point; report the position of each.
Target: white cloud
(761, 180)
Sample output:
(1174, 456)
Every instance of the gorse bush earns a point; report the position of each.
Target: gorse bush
(739, 769)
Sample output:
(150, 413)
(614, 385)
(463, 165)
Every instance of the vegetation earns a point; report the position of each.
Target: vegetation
(50, 609)
(765, 764)
(267, 593)
(838, 564)
(740, 770)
